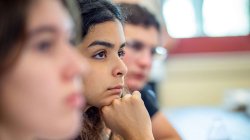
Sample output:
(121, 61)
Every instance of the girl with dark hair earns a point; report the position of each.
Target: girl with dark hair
(40, 71)
(103, 46)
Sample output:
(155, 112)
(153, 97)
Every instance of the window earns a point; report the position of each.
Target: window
(213, 18)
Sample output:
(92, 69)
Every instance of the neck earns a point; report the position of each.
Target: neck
(10, 133)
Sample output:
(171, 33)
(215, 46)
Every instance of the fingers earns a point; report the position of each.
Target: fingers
(127, 116)
(137, 94)
(128, 98)
(105, 109)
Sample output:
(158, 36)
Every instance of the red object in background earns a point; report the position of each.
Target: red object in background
(211, 44)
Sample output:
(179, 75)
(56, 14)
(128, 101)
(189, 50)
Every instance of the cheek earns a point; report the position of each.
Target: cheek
(92, 86)
(44, 91)
(96, 84)
(45, 85)
(34, 95)
(130, 68)
(134, 84)
(129, 59)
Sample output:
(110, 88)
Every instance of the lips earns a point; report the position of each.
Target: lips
(116, 89)
(75, 100)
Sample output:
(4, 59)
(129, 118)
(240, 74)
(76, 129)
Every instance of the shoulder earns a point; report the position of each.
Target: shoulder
(148, 95)
(150, 100)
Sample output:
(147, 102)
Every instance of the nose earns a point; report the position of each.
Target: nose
(145, 59)
(120, 69)
(75, 65)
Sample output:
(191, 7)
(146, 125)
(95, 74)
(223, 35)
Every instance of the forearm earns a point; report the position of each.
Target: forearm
(171, 138)
(140, 137)
(162, 129)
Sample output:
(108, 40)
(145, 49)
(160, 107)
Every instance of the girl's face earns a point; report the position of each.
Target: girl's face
(41, 94)
(104, 48)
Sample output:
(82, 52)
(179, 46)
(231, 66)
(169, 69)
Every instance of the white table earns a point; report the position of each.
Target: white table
(198, 123)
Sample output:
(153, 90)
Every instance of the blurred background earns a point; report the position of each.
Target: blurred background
(205, 90)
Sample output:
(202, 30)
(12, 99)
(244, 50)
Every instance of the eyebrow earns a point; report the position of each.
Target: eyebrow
(102, 43)
(42, 29)
(105, 44)
(123, 45)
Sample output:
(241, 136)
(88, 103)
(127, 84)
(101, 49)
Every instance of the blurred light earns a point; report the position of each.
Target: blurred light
(161, 50)
(158, 68)
(180, 18)
(219, 18)
(226, 17)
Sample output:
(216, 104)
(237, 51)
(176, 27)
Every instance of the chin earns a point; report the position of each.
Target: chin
(104, 104)
(61, 134)
(67, 129)
(135, 85)
(107, 102)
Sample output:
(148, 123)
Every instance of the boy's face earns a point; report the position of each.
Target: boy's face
(141, 44)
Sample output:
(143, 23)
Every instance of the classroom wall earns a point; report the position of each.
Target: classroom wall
(203, 79)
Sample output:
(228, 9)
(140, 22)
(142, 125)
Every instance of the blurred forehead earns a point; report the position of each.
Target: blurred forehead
(50, 13)
(149, 36)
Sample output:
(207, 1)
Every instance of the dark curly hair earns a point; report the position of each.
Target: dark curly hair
(97, 11)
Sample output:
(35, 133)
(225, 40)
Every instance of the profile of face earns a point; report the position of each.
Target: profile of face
(103, 47)
(41, 95)
(141, 45)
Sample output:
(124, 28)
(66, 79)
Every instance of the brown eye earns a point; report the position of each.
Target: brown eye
(121, 53)
(44, 45)
(135, 45)
(100, 55)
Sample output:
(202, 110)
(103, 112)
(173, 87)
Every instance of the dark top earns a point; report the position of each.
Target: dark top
(150, 100)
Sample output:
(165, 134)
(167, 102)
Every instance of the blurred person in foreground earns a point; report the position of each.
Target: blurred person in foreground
(40, 71)
(142, 32)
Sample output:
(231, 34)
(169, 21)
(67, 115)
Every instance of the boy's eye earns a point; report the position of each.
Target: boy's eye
(72, 42)
(153, 51)
(135, 45)
(100, 55)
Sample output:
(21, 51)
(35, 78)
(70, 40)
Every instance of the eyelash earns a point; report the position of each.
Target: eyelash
(100, 53)
(103, 54)
(121, 53)
(44, 45)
